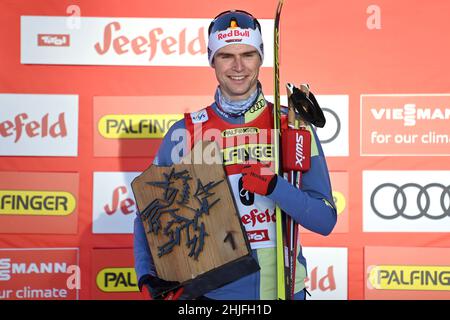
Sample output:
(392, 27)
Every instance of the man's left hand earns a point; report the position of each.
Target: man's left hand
(258, 178)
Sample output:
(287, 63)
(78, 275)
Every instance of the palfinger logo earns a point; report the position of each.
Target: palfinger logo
(420, 196)
(136, 126)
(36, 203)
(241, 153)
(397, 277)
(239, 132)
(339, 201)
(117, 280)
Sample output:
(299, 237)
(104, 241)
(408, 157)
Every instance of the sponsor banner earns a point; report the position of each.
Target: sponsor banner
(122, 41)
(114, 207)
(258, 220)
(38, 125)
(238, 154)
(327, 273)
(44, 203)
(113, 275)
(405, 125)
(407, 273)
(340, 187)
(39, 274)
(334, 136)
(339, 183)
(135, 126)
(406, 201)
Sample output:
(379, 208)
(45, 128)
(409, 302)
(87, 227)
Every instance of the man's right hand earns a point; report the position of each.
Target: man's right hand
(160, 289)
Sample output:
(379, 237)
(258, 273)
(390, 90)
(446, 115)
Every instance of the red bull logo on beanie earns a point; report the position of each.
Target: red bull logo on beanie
(233, 33)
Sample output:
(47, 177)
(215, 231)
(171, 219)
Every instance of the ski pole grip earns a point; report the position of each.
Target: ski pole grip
(296, 149)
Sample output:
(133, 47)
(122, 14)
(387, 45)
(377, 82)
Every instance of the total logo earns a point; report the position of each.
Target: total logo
(19, 126)
(117, 280)
(53, 40)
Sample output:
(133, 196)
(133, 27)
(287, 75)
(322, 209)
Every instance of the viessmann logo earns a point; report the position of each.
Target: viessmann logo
(136, 126)
(9, 268)
(410, 114)
(398, 277)
(36, 203)
(405, 124)
(117, 280)
(53, 40)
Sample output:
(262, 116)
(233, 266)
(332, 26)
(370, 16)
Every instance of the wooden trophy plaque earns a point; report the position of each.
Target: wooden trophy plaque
(192, 225)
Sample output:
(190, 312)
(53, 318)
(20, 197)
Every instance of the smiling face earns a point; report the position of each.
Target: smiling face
(237, 69)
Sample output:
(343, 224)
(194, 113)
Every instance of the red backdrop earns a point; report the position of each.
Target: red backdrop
(324, 43)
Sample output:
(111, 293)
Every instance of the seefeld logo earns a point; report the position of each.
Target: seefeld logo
(33, 128)
(410, 114)
(117, 280)
(36, 203)
(53, 40)
(391, 277)
(127, 205)
(9, 268)
(150, 42)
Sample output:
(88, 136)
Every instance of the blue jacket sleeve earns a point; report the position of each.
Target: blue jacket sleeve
(173, 141)
(312, 206)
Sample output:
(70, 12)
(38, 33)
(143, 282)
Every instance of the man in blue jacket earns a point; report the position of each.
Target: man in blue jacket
(236, 52)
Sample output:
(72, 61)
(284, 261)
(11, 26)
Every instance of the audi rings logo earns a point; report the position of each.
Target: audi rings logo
(411, 201)
(333, 122)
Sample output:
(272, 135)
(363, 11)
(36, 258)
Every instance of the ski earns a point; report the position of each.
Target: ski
(283, 263)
